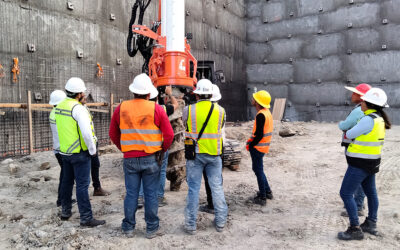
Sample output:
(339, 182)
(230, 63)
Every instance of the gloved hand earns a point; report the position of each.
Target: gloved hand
(159, 157)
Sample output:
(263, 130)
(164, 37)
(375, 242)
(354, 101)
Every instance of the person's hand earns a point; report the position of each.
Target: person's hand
(168, 90)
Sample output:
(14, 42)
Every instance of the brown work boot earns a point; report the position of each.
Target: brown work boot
(100, 192)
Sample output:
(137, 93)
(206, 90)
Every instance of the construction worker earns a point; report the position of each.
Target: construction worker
(77, 145)
(208, 152)
(351, 120)
(56, 97)
(141, 130)
(95, 163)
(169, 109)
(258, 144)
(209, 207)
(364, 158)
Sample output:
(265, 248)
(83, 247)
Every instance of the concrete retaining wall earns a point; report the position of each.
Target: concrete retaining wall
(219, 34)
(308, 50)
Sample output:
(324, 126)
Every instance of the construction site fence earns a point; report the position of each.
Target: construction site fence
(25, 127)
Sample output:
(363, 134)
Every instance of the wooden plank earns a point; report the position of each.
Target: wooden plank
(111, 104)
(41, 109)
(11, 105)
(279, 109)
(30, 127)
(99, 110)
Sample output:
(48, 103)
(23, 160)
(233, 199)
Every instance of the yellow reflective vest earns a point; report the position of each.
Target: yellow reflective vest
(365, 150)
(211, 140)
(69, 133)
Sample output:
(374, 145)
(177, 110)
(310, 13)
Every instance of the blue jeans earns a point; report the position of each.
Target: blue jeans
(353, 178)
(163, 176)
(258, 168)
(194, 170)
(77, 166)
(138, 169)
(359, 196)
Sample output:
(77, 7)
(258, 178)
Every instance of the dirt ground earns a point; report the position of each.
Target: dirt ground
(305, 173)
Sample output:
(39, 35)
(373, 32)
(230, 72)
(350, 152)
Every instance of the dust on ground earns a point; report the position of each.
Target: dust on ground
(304, 170)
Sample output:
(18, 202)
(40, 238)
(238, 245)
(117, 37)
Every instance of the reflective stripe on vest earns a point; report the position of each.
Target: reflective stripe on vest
(369, 146)
(52, 117)
(138, 131)
(211, 140)
(264, 143)
(69, 134)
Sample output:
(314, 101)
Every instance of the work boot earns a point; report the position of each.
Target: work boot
(65, 214)
(359, 212)
(159, 232)
(100, 192)
(162, 201)
(352, 233)
(218, 228)
(260, 200)
(369, 226)
(267, 194)
(128, 234)
(189, 231)
(207, 209)
(93, 223)
(140, 202)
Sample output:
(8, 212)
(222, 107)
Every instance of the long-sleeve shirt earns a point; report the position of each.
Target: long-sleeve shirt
(259, 134)
(363, 127)
(160, 120)
(352, 119)
(54, 132)
(82, 117)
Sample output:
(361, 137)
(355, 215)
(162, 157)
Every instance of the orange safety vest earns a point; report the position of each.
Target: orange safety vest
(138, 131)
(263, 145)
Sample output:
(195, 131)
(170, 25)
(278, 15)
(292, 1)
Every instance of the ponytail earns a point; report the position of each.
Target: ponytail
(382, 113)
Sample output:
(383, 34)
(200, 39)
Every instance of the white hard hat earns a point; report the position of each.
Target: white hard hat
(216, 94)
(56, 97)
(75, 85)
(376, 96)
(204, 87)
(141, 85)
(153, 92)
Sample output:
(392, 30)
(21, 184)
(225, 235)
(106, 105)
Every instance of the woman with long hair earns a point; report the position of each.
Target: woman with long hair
(364, 158)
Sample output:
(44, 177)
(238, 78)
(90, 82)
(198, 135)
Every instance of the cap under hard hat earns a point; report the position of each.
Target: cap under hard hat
(360, 89)
(376, 96)
(56, 97)
(75, 85)
(216, 94)
(204, 87)
(141, 85)
(263, 98)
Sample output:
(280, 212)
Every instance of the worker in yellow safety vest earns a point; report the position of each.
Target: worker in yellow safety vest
(56, 97)
(258, 144)
(204, 121)
(77, 145)
(364, 158)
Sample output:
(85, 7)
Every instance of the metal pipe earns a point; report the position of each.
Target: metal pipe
(175, 28)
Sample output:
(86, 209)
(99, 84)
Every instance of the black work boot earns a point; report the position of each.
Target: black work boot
(93, 223)
(260, 200)
(65, 214)
(352, 233)
(267, 194)
(140, 202)
(369, 226)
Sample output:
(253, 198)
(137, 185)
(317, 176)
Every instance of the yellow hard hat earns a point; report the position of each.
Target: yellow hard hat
(263, 98)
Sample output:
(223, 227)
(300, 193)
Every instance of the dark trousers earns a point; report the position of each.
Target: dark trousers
(95, 170)
(58, 156)
(258, 168)
(76, 167)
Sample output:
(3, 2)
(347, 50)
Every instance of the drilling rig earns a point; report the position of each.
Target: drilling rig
(168, 62)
